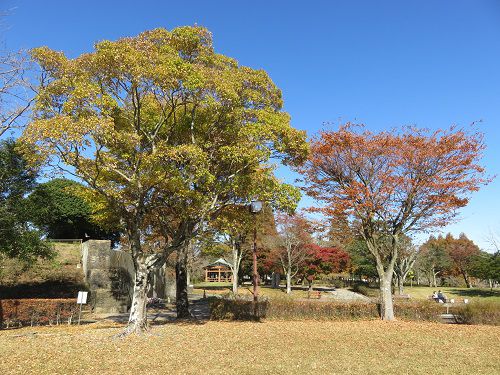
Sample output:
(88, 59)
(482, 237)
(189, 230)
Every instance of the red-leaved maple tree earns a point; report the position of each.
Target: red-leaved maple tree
(392, 183)
(324, 260)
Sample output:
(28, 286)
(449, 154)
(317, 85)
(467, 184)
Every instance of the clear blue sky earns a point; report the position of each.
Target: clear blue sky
(383, 63)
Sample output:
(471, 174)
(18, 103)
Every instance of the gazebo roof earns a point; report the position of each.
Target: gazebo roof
(219, 262)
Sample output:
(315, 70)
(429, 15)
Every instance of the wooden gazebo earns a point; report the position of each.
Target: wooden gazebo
(218, 272)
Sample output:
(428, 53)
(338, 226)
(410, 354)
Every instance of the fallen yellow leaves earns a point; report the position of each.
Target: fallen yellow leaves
(298, 347)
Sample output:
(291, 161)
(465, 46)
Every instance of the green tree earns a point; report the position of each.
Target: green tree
(60, 211)
(168, 133)
(486, 266)
(17, 237)
(362, 262)
(434, 260)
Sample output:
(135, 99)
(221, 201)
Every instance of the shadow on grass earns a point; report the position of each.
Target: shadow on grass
(476, 293)
(167, 315)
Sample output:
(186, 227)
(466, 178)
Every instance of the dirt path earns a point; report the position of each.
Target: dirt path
(346, 295)
(198, 307)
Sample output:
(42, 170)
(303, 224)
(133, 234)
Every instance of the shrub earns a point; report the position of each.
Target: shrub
(364, 290)
(418, 310)
(230, 308)
(21, 312)
(318, 310)
(289, 309)
(338, 283)
(486, 312)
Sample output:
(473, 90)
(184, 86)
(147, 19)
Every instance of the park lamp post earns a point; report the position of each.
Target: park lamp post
(255, 208)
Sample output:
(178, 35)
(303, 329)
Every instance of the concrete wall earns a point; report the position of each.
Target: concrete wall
(109, 275)
(163, 283)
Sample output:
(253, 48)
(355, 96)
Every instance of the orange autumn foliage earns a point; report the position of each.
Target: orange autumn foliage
(392, 183)
(404, 180)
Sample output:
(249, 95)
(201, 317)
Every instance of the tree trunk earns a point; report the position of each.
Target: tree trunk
(182, 301)
(466, 279)
(137, 322)
(385, 276)
(235, 280)
(235, 269)
(386, 305)
(400, 284)
(288, 281)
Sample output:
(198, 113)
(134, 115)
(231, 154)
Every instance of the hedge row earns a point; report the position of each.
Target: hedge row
(289, 309)
(242, 309)
(479, 313)
(23, 312)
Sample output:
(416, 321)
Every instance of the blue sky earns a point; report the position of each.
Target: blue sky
(382, 63)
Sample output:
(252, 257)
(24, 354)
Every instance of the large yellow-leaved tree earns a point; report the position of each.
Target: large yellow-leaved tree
(168, 133)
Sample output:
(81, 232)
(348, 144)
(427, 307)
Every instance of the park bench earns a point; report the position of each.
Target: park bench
(452, 301)
(314, 294)
(447, 303)
(448, 318)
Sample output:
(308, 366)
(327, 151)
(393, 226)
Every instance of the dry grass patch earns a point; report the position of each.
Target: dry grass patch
(56, 278)
(272, 347)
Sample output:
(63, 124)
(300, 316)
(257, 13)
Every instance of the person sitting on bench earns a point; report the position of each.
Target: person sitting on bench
(441, 297)
(435, 296)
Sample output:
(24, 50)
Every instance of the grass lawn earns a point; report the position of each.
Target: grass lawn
(423, 292)
(473, 294)
(273, 347)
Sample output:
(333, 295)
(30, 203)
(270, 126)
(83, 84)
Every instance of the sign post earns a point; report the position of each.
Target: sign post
(80, 300)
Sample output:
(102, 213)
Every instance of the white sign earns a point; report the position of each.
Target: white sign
(82, 298)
